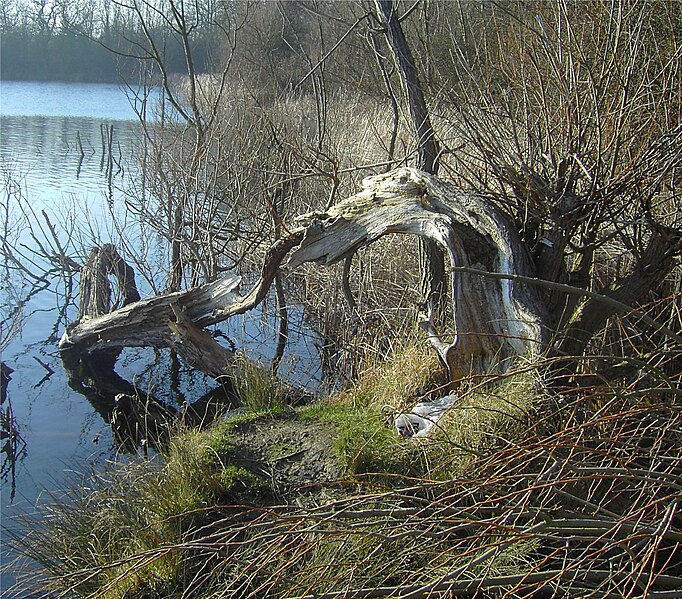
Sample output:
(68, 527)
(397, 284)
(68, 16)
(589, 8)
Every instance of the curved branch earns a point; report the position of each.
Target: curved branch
(345, 282)
(494, 319)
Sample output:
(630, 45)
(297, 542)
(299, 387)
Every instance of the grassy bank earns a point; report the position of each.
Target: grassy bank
(516, 490)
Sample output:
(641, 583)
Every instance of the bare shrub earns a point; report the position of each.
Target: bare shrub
(567, 116)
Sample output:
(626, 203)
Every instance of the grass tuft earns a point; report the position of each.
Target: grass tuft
(258, 388)
(106, 537)
(366, 440)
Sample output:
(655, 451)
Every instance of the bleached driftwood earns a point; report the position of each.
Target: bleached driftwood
(145, 322)
(95, 296)
(493, 319)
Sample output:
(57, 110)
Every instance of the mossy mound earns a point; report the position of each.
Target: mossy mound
(285, 457)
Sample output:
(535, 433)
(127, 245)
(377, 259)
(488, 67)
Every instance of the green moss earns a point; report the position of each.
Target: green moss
(365, 441)
(219, 437)
(482, 419)
(363, 414)
(241, 484)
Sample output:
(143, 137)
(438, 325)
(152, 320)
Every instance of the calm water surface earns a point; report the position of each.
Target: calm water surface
(43, 127)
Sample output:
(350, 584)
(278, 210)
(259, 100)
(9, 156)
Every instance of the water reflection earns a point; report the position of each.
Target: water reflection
(138, 420)
(51, 160)
(44, 155)
(13, 444)
(64, 150)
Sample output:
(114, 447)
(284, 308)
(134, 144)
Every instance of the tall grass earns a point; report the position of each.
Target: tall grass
(115, 535)
(258, 388)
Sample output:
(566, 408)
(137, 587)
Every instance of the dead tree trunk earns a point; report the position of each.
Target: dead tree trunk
(427, 146)
(95, 297)
(494, 319)
(432, 261)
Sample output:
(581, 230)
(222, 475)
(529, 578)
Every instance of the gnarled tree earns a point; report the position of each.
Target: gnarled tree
(494, 318)
(563, 144)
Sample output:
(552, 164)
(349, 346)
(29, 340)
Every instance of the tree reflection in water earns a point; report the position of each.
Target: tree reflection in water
(13, 444)
(138, 420)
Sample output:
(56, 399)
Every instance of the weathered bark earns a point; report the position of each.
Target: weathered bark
(137, 418)
(145, 323)
(198, 348)
(494, 319)
(95, 297)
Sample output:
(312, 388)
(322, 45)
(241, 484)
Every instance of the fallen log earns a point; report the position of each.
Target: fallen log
(493, 319)
(145, 323)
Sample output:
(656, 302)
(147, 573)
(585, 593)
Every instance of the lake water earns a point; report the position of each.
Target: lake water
(43, 128)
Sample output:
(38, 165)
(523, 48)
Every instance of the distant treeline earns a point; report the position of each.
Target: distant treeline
(55, 58)
(63, 40)
(273, 45)
(71, 57)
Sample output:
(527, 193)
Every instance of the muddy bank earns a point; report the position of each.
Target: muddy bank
(288, 459)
